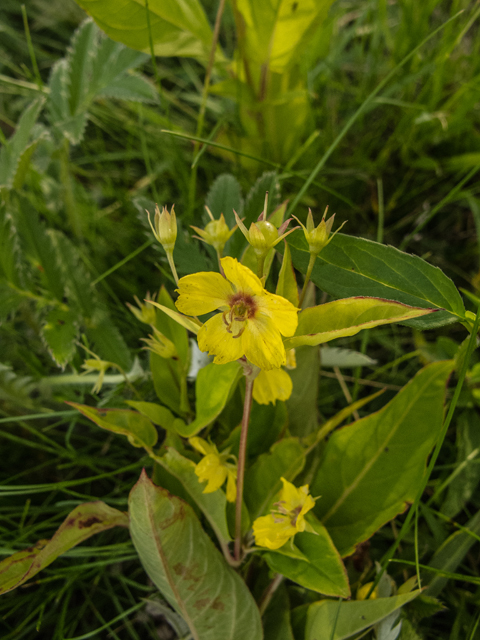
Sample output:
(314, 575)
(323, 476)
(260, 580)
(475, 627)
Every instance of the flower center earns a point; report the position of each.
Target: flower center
(242, 307)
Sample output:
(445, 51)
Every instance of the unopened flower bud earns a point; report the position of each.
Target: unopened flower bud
(160, 345)
(165, 229)
(262, 235)
(145, 312)
(216, 232)
(318, 237)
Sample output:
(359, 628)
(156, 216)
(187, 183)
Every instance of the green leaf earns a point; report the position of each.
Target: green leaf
(287, 283)
(450, 555)
(347, 317)
(372, 468)
(464, 484)
(73, 274)
(10, 256)
(40, 247)
(337, 357)
(275, 33)
(63, 121)
(276, 620)
(262, 480)
(302, 404)
(80, 59)
(157, 414)
(224, 196)
(60, 333)
(168, 324)
(351, 266)
(212, 505)
(108, 341)
(178, 27)
(18, 149)
(213, 387)
(337, 621)
(318, 566)
(83, 522)
(10, 300)
(188, 570)
(138, 429)
(132, 87)
(166, 381)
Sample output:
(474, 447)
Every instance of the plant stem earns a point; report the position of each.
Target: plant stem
(269, 591)
(260, 265)
(242, 454)
(203, 106)
(311, 262)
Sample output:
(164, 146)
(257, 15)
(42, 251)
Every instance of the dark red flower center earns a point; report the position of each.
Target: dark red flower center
(242, 307)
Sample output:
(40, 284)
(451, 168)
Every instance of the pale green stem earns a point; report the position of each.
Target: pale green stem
(261, 264)
(242, 454)
(311, 262)
(172, 266)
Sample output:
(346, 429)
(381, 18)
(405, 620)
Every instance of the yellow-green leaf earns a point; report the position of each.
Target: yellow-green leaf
(347, 317)
(138, 429)
(287, 283)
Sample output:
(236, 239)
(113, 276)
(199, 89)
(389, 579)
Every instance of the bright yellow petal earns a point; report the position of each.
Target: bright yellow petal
(231, 485)
(272, 531)
(282, 312)
(309, 504)
(203, 292)
(214, 338)
(262, 343)
(212, 470)
(202, 445)
(270, 386)
(240, 276)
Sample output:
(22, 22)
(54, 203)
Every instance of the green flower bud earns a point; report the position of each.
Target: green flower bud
(216, 232)
(165, 230)
(318, 237)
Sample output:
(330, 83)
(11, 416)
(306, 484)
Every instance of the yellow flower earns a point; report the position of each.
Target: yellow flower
(363, 591)
(252, 321)
(270, 386)
(214, 468)
(274, 530)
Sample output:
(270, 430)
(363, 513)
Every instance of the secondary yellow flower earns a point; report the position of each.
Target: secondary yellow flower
(214, 468)
(318, 237)
(274, 530)
(270, 386)
(252, 321)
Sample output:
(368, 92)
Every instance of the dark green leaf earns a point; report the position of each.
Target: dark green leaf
(60, 333)
(351, 266)
(224, 196)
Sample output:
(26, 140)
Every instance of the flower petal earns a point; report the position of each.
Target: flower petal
(270, 386)
(262, 343)
(214, 338)
(202, 445)
(272, 531)
(281, 311)
(202, 292)
(212, 470)
(231, 485)
(240, 276)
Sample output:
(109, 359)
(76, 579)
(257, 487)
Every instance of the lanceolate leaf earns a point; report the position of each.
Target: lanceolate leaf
(372, 469)
(351, 266)
(81, 523)
(338, 621)
(188, 570)
(287, 283)
(224, 196)
(213, 387)
(178, 27)
(138, 429)
(318, 566)
(347, 317)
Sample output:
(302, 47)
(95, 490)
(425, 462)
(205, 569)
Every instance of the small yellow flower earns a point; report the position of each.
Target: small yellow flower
(160, 344)
(274, 530)
(318, 237)
(252, 321)
(363, 591)
(270, 386)
(95, 364)
(214, 468)
(216, 233)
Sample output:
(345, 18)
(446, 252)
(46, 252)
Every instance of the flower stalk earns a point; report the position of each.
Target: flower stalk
(242, 453)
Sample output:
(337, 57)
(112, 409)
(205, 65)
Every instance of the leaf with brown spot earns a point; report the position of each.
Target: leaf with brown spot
(83, 522)
(186, 567)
